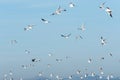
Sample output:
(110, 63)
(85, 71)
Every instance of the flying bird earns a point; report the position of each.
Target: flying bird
(35, 60)
(71, 5)
(51, 75)
(66, 36)
(82, 27)
(102, 5)
(50, 54)
(70, 77)
(102, 58)
(14, 41)
(29, 27)
(110, 54)
(79, 37)
(45, 21)
(89, 60)
(103, 41)
(58, 60)
(27, 51)
(40, 74)
(58, 11)
(100, 77)
(78, 71)
(93, 74)
(109, 11)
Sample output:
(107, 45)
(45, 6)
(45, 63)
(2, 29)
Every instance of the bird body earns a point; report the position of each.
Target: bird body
(109, 11)
(58, 11)
(66, 36)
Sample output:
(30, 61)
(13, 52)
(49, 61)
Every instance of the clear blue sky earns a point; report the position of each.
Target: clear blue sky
(15, 15)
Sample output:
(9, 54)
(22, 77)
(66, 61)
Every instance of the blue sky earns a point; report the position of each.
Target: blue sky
(44, 38)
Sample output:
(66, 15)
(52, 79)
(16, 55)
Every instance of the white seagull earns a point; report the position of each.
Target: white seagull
(70, 77)
(58, 11)
(51, 75)
(29, 27)
(78, 72)
(109, 11)
(82, 27)
(79, 37)
(102, 6)
(27, 51)
(45, 21)
(50, 54)
(89, 60)
(93, 74)
(103, 41)
(40, 74)
(71, 5)
(66, 36)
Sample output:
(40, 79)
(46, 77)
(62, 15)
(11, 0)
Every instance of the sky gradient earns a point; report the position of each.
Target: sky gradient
(46, 38)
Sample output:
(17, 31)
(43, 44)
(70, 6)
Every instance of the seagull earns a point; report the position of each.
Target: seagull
(102, 5)
(93, 74)
(48, 65)
(78, 72)
(110, 54)
(29, 27)
(102, 58)
(100, 77)
(14, 41)
(82, 27)
(51, 75)
(70, 77)
(40, 74)
(27, 51)
(35, 60)
(109, 11)
(24, 66)
(79, 37)
(102, 72)
(58, 60)
(81, 77)
(71, 5)
(86, 75)
(108, 77)
(67, 57)
(10, 73)
(57, 77)
(89, 60)
(45, 21)
(103, 41)
(100, 68)
(66, 36)
(50, 54)
(111, 76)
(58, 11)
(5, 77)
(11, 78)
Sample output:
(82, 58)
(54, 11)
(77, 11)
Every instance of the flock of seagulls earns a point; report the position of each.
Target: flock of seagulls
(58, 11)
(107, 9)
